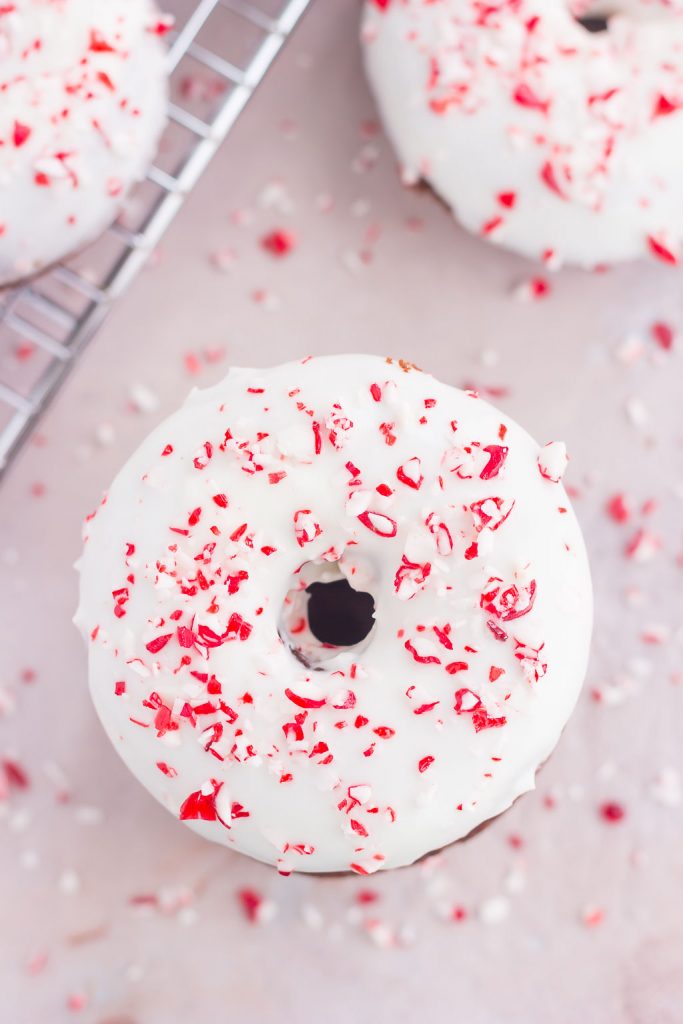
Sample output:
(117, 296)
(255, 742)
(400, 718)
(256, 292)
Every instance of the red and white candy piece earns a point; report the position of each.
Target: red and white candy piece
(552, 461)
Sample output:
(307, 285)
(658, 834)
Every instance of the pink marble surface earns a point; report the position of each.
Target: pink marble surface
(114, 914)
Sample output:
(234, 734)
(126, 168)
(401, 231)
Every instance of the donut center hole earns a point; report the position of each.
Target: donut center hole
(323, 615)
(338, 614)
(595, 17)
(594, 24)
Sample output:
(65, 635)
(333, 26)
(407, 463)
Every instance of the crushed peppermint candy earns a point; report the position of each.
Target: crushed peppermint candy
(553, 461)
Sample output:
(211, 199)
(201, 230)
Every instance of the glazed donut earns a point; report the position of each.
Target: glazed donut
(562, 144)
(83, 87)
(323, 754)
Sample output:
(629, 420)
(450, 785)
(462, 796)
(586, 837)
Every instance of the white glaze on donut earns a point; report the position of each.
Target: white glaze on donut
(561, 144)
(83, 98)
(422, 495)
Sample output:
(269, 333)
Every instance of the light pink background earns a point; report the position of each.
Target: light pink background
(383, 270)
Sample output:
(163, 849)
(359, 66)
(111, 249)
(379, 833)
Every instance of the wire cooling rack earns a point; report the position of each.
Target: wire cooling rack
(219, 52)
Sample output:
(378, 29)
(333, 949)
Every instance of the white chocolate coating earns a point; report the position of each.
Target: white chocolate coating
(564, 145)
(420, 494)
(83, 87)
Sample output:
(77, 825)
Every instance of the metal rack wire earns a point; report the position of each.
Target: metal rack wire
(218, 55)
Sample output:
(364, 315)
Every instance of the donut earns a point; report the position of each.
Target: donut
(83, 87)
(323, 740)
(558, 142)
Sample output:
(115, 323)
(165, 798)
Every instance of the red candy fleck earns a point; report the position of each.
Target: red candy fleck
(386, 430)
(199, 806)
(424, 708)
(508, 603)
(158, 644)
(491, 513)
(440, 533)
(643, 546)
(664, 106)
(491, 225)
(410, 578)
(618, 508)
(468, 702)
(186, 637)
(612, 811)
(15, 774)
(549, 178)
(278, 242)
(251, 902)
(662, 250)
(162, 25)
(235, 581)
(304, 702)
(525, 96)
(306, 529)
(456, 666)
(497, 455)
(472, 551)
(201, 461)
(593, 916)
(98, 44)
(379, 524)
(663, 334)
(421, 659)
(482, 720)
(21, 134)
(410, 474)
(425, 763)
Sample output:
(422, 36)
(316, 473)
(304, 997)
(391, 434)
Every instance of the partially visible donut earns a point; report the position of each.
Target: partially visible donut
(204, 666)
(82, 106)
(561, 143)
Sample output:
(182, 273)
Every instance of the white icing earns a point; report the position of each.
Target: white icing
(561, 144)
(168, 550)
(83, 87)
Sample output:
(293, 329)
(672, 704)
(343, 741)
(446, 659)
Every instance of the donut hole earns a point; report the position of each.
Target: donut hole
(338, 614)
(324, 616)
(594, 23)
